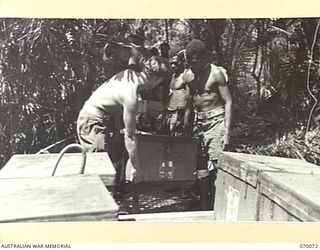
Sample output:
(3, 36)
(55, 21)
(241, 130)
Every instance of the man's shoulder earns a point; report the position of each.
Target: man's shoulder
(125, 75)
(188, 75)
(126, 71)
(218, 71)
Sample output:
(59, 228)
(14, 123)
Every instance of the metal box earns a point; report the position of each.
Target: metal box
(289, 197)
(36, 165)
(166, 158)
(61, 198)
(237, 183)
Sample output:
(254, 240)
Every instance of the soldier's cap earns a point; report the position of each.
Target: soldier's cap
(196, 47)
(132, 41)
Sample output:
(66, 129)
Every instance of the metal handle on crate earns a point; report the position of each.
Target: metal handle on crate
(65, 149)
(46, 149)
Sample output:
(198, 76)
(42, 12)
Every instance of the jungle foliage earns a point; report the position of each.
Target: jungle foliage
(48, 68)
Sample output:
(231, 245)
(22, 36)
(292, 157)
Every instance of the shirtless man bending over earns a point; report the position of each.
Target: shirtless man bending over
(211, 101)
(98, 123)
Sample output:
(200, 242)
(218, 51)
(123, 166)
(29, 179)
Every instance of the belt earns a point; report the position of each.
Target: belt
(210, 113)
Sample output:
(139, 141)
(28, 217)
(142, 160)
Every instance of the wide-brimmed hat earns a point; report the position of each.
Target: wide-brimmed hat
(136, 39)
(132, 41)
(124, 43)
(174, 59)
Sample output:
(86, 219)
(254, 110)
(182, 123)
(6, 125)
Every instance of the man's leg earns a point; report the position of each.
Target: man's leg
(214, 135)
(203, 176)
(203, 184)
(212, 186)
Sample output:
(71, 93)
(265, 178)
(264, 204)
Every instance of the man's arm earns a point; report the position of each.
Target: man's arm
(104, 52)
(226, 97)
(129, 118)
(188, 77)
(189, 108)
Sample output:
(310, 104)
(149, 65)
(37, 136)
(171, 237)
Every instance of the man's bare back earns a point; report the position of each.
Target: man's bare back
(101, 114)
(118, 91)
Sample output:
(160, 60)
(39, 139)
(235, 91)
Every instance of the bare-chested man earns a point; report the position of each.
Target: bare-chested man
(100, 118)
(211, 101)
(174, 116)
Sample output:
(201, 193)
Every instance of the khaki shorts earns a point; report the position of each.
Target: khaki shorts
(210, 131)
(94, 136)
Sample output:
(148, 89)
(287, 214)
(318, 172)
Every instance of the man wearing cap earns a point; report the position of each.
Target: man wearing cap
(99, 121)
(127, 54)
(174, 116)
(211, 101)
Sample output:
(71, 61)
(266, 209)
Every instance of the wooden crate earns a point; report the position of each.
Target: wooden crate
(167, 158)
(61, 198)
(35, 165)
(289, 197)
(237, 183)
(165, 162)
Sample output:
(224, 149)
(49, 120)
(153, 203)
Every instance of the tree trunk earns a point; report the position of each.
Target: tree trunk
(167, 30)
(253, 73)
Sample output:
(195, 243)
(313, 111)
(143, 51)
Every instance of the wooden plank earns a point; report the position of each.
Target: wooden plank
(62, 198)
(237, 184)
(169, 217)
(34, 165)
(268, 160)
(296, 194)
(248, 167)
